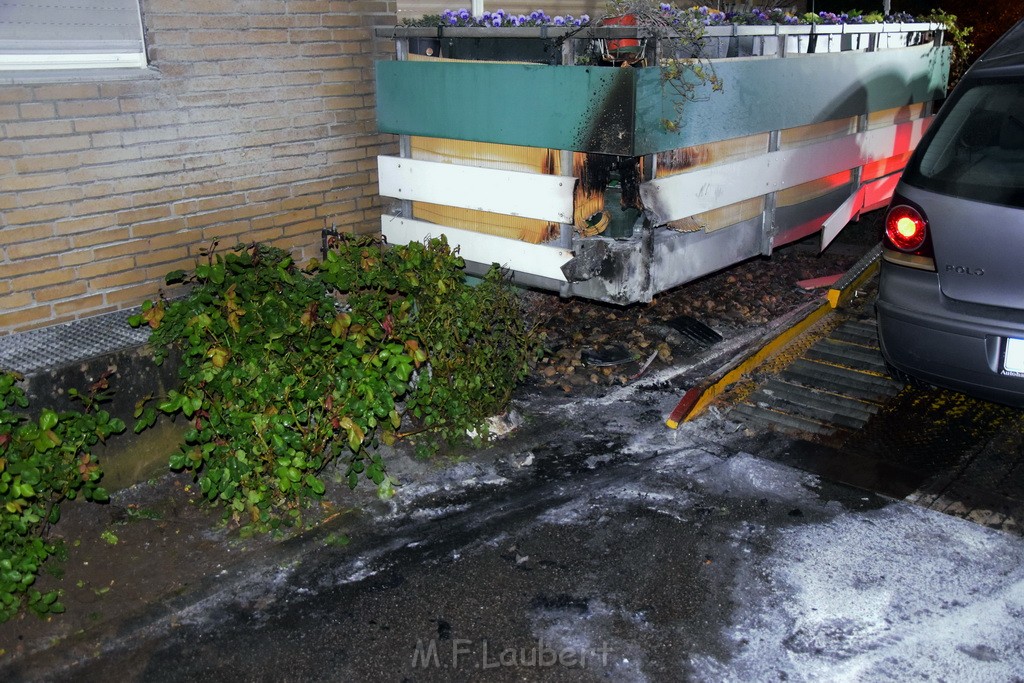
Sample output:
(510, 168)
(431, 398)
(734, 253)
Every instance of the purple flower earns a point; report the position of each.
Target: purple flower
(559, 20)
(496, 20)
(584, 18)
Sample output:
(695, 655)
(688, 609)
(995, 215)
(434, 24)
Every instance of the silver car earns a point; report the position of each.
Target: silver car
(951, 293)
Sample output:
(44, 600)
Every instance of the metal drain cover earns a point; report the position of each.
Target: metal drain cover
(49, 347)
(693, 329)
(606, 356)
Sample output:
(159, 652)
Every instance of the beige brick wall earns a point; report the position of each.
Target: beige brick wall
(255, 122)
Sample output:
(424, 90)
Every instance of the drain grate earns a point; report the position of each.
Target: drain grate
(836, 385)
(37, 350)
(694, 330)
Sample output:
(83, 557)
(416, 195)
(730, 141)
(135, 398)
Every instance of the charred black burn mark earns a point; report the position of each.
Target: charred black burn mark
(681, 159)
(630, 179)
(444, 630)
(560, 602)
(610, 127)
(589, 261)
(552, 463)
(596, 172)
(549, 167)
(599, 169)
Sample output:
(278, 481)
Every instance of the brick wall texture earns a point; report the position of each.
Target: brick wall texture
(254, 123)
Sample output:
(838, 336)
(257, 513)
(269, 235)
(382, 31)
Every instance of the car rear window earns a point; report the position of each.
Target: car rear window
(977, 148)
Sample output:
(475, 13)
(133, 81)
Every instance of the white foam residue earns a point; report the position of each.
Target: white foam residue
(570, 513)
(360, 570)
(895, 594)
(410, 493)
(744, 474)
(587, 637)
(437, 512)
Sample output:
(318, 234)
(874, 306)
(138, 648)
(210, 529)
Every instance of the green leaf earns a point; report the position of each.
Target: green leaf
(315, 484)
(146, 420)
(386, 488)
(48, 419)
(172, 404)
(46, 441)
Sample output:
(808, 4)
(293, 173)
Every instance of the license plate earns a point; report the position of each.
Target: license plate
(1013, 361)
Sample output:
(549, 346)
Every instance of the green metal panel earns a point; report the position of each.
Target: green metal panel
(764, 94)
(521, 104)
(619, 111)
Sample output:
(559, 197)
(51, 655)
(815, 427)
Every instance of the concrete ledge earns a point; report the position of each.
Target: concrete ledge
(80, 353)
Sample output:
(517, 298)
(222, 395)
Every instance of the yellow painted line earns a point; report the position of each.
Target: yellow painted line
(715, 390)
(837, 297)
(699, 397)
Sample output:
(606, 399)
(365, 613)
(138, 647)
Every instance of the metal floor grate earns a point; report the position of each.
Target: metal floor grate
(836, 385)
(36, 350)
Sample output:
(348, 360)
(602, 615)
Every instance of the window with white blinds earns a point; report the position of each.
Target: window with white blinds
(70, 34)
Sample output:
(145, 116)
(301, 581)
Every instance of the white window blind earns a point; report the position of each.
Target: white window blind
(70, 34)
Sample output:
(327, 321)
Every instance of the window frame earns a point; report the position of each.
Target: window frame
(71, 35)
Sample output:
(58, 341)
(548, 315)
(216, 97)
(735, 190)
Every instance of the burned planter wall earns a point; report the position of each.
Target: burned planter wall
(641, 206)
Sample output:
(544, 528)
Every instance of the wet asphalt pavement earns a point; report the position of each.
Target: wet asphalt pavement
(596, 544)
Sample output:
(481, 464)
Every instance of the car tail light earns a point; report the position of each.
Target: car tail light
(905, 228)
(906, 237)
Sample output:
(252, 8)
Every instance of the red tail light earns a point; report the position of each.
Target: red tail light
(905, 228)
(906, 238)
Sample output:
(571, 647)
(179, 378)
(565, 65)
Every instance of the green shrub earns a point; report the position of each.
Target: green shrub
(285, 371)
(474, 340)
(44, 460)
(956, 36)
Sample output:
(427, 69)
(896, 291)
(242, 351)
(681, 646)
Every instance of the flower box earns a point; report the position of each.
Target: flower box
(813, 125)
